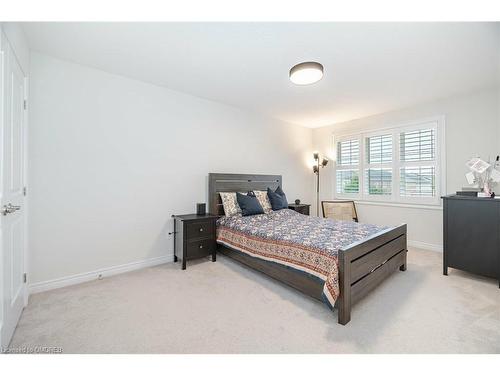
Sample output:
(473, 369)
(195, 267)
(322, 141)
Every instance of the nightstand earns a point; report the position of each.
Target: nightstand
(300, 208)
(194, 237)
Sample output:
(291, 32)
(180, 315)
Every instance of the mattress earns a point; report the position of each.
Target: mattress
(305, 243)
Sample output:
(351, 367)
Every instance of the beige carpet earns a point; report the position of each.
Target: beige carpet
(224, 307)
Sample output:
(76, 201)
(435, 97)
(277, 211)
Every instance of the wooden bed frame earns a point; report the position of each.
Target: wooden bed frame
(362, 265)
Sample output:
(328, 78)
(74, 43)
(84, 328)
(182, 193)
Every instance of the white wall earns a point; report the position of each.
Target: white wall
(472, 128)
(15, 35)
(111, 159)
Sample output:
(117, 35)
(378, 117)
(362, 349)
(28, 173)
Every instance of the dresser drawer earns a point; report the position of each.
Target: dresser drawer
(200, 248)
(200, 229)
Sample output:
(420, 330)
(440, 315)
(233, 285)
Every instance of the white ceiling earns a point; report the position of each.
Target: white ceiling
(369, 67)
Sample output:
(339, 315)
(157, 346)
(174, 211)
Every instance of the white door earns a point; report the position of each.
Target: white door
(12, 208)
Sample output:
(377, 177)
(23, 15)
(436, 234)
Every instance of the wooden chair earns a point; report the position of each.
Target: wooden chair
(339, 210)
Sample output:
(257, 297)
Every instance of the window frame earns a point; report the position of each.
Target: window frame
(439, 163)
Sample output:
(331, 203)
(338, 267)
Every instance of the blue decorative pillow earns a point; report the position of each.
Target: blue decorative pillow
(278, 201)
(249, 204)
(280, 191)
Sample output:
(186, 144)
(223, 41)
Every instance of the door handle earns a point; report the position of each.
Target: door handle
(9, 208)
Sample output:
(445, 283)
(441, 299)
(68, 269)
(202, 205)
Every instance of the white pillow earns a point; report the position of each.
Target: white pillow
(231, 206)
(263, 200)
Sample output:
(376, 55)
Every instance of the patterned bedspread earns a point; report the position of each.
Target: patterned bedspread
(304, 243)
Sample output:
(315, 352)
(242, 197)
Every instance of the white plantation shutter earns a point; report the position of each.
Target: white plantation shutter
(393, 165)
(418, 162)
(348, 152)
(378, 181)
(347, 176)
(418, 182)
(347, 181)
(417, 145)
(379, 149)
(378, 168)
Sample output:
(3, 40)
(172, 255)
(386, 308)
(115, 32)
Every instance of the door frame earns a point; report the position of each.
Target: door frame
(5, 43)
(25, 177)
(2, 102)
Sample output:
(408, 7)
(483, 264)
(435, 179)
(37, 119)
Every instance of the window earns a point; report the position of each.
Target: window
(348, 167)
(347, 181)
(418, 168)
(348, 152)
(379, 149)
(378, 181)
(399, 165)
(418, 182)
(378, 174)
(417, 145)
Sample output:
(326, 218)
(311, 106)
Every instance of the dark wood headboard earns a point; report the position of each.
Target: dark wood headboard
(231, 182)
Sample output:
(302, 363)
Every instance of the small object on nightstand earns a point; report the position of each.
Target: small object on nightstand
(297, 201)
(194, 237)
(201, 209)
(300, 208)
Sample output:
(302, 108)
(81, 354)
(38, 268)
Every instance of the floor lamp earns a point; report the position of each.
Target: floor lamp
(316, 168)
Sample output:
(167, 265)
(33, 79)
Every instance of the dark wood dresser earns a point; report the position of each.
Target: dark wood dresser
(471, 229)
(300, 208)
(194, 237)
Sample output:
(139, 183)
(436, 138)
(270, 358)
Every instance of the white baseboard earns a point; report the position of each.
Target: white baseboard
(425, 246)
(94, 275)
(115, 270)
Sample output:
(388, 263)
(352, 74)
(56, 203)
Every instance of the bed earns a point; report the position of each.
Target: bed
(337, 262)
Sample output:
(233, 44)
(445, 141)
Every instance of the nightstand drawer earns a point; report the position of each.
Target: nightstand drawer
(200, 248)
(200, 229)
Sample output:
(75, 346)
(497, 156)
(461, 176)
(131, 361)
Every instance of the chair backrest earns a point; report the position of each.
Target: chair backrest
(339, 210)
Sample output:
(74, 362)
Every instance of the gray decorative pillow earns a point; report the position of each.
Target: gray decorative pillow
(231, 207)
(263, 200)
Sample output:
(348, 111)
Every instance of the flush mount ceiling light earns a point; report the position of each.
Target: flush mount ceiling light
(306, 73)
